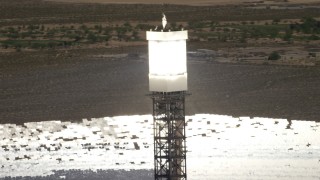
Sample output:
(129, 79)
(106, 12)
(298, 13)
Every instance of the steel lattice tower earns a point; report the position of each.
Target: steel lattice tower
(169, 135)
(168, 86)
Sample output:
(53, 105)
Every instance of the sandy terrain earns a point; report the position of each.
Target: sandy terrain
(86, 84)
(185, 2)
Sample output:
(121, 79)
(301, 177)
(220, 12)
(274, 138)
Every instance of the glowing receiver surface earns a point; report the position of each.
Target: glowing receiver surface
(167, 61)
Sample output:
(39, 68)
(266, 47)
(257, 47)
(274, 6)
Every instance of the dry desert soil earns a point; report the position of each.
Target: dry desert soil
(76, 84)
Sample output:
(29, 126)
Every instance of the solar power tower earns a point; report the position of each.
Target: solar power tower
(168, 86)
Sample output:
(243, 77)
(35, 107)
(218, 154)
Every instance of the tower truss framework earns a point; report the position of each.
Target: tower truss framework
(169, 135)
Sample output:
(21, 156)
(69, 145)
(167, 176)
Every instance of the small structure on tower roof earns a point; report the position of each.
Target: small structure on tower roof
(164, 21)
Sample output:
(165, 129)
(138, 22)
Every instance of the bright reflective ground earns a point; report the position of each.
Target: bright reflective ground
(220, 147)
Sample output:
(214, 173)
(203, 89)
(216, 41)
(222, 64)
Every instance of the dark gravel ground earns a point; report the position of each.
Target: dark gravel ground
(72, 85)
(255, 90)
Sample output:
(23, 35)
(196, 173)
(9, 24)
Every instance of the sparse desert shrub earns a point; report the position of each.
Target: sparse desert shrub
(13, 35)
(144, 27)
(309, 25)
(274, 56)
(92, 37)
(243, 37)
(226, 29)
(312, 54)
(276, 21)
(288, 35)
(196, 25)
(18, 49)
(313, 37)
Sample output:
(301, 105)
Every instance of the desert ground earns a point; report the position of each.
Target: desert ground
(74, 84)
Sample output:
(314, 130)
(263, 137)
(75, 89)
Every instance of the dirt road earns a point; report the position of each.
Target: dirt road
(185, 2)
(71, 85)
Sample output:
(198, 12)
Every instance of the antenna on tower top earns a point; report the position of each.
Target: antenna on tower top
(164, 21)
